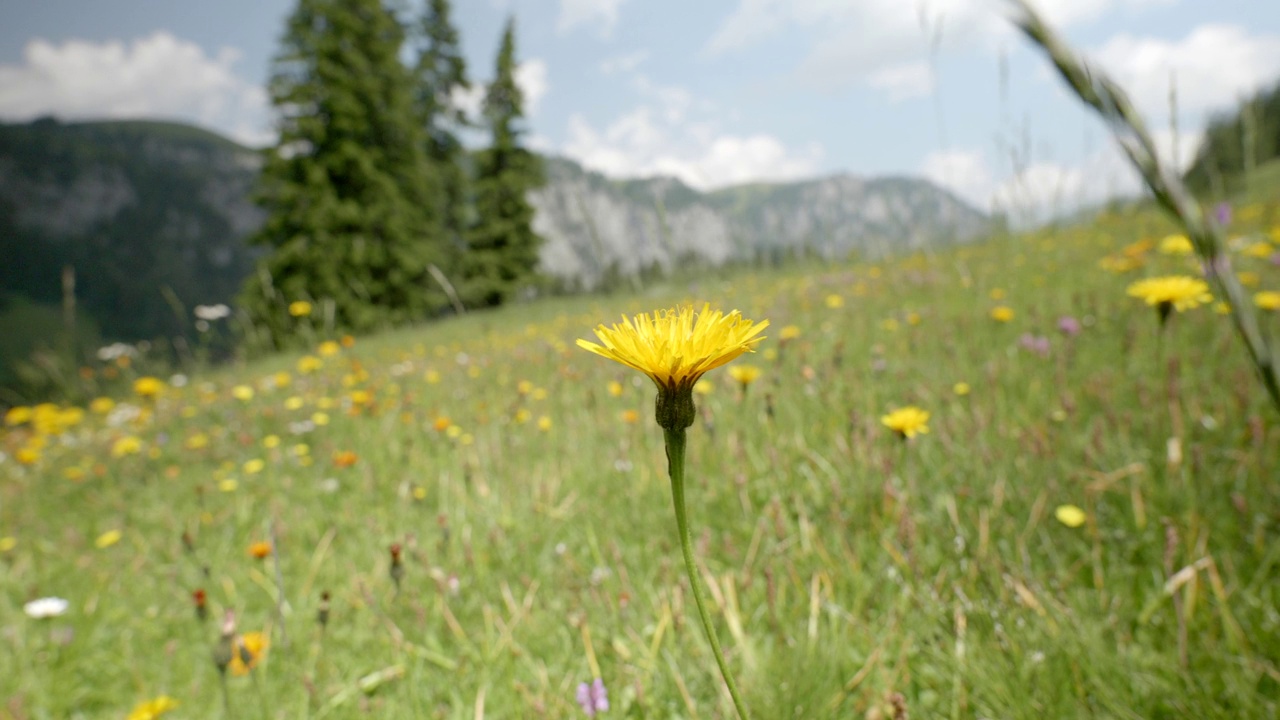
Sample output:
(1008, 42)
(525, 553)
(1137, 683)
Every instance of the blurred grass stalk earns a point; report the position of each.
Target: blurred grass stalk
(1102, 93)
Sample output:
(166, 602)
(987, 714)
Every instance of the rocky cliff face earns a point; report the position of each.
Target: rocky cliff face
(595, 227)
(153, 213)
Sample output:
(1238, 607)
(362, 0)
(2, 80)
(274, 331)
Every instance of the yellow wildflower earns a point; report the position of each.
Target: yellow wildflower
(1267, 300)
(308, 364)
(1176, 245)
(745, 374)
(907, 422)
(108, 538)
(148, 387)
(1175, 292)
(127, 445)
(1002, 313)
(152, 709)
(300, 308)
(249, 650)
(1070, 515)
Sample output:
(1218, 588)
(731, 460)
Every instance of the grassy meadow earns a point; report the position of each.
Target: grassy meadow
(852, 573)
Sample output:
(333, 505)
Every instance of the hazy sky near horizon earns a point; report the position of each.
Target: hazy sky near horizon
(715, 93)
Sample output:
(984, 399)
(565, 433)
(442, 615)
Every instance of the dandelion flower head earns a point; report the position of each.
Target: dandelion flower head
(154, 708)
(1178, 292)
(676, 347)
(907, 422)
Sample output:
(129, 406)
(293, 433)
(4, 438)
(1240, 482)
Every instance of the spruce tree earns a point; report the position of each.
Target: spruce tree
(352, 202)
(502, 253)
(441, 73)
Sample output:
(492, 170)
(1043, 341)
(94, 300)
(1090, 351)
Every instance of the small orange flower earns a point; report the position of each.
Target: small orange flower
(441, 424)
(345, 459)
(260, 549)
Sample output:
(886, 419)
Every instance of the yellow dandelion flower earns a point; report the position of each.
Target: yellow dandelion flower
(101, 406)
(243, 393)
(1176, 245)
(907, 421)
(1249, 279)
(1070, 515)
(675, 348)
(8, 543)
(254, 466)
(300, 308)
(249, 650)
(17, 415)
(1267, 300)
(28, 455)
(127, 445)
(1002, 313)
(961, 389)
(108, 538)
(790, 332)
(703, 387)
(432, 377)
(294, 403)
(835, 301)
(329, 348)
(198, 441)
(228, 485)
(152, 709)
(1260, 249)
(544, 423)
(148, 387)
(1174, 292)
(320, 418)
(271, 441)
(308, 364)
(745, 374)
(615, 388)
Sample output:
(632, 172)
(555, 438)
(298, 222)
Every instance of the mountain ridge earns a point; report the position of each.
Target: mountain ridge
(140, 205)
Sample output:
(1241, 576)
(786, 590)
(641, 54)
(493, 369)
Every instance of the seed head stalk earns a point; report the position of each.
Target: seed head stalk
(675, 442)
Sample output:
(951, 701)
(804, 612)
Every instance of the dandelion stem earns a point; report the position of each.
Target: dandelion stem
(675, 441)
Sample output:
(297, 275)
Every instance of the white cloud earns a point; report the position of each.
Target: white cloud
(1213, 66)
(1045, 189)
(531, 76)
(964, 172)
(469, 100)
(623, 63)
(882, 42)
(601, 13)
(647, 142)
(156, 76)
(903, 82)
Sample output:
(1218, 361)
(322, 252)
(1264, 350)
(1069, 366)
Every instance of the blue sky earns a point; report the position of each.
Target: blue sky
(715, 93)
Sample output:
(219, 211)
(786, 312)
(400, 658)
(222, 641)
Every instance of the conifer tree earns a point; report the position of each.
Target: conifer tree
(502, 253)
(442, 73)
(353, 213)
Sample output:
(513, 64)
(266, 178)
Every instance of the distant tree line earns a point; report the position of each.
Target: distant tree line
(377, 215)
(1237, 142)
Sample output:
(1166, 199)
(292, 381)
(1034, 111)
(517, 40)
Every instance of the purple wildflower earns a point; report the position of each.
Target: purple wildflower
(1036, 344)
(1223, 214)
(1069, 326)
(593, 698)
(1275, 259)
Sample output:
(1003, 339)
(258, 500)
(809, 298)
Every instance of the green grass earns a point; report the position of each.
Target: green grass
(845, 565)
